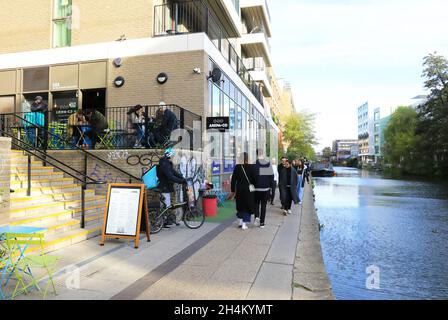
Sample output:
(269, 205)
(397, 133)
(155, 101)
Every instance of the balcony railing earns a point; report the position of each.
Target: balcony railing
(195, 17)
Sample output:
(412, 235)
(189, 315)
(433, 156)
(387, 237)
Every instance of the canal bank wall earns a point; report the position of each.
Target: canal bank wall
(310, 279)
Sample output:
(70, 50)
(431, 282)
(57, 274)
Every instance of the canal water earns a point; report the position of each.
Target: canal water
(383, 238)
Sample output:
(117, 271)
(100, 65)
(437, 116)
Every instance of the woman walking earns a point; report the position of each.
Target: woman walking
(288, 187)
(298, 165)
(242, 184)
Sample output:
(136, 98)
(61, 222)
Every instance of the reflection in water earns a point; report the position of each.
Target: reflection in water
(399, 226)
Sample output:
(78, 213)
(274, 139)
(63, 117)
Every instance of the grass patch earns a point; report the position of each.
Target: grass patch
(225, 212)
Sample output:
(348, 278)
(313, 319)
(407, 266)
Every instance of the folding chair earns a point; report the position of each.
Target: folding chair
(105, 138)
(22, 265)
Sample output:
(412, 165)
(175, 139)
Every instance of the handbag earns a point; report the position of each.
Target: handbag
(251, 186)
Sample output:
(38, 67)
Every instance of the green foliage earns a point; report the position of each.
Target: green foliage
(327, 153)
(299, 134)
(417, 141)
(401, 141)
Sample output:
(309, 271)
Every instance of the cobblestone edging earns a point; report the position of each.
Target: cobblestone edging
(310, 281)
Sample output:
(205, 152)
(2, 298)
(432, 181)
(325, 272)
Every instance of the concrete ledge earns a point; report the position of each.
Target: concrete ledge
(310, 281)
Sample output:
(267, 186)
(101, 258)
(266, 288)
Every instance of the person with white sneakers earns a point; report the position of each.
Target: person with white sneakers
(288, 185)
(242, 187)
(264, 185)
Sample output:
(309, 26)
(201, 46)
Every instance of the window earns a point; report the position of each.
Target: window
(62, 13)
(216, 103)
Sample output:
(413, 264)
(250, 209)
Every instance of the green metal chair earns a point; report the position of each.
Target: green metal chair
(22, 266)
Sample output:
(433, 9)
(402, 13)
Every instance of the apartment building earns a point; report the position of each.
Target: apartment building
(365, 136)
(344, 149)
(103, 54)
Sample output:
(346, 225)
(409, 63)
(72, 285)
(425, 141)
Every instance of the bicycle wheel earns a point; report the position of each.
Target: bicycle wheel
(156, 221)
(193, 217)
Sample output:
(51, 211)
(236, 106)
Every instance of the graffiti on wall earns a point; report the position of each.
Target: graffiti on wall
(117, 155)
(104, 174)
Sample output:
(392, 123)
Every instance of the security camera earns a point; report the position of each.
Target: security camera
(197, 70)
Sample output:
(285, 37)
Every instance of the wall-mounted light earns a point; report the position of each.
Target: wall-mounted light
(119, 82)
(162, 78)
(197, 70)
(118, 62)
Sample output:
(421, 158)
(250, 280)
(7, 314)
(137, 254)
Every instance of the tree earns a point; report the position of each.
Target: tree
(401, 141)
(327, 153)
(433, 115)
(299, 134)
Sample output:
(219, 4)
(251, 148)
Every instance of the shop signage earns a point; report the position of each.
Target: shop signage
(218, 123)
(229, 165)
(123, 213)
(216, 167)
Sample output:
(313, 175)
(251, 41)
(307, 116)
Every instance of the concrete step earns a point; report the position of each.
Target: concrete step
(58, 241)
(55, 182)
(49, 198)
(34, 169)
(24, 164)
(19, 193)
(66, 225)
(55, 207)
(37, 176)
(54, 218)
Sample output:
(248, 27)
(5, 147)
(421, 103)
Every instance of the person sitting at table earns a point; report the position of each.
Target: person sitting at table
(136, 122)
(76, 119)
(98, 122)
(168, 122)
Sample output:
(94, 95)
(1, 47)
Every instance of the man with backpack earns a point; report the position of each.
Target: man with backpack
(168, 176)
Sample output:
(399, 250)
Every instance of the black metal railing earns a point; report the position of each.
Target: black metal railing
(124, 130)
(31, 151)
(195, 17)
(19, 129)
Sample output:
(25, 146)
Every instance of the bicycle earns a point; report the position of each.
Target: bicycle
(192, 217)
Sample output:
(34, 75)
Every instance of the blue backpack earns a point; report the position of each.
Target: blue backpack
(150, 178)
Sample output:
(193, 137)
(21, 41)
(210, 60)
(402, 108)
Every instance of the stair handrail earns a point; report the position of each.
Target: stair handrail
(44, 158)
(84, 181)
(86, 153)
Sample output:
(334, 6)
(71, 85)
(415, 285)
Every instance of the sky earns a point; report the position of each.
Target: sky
(338, 54)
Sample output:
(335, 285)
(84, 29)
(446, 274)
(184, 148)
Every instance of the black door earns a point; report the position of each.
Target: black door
(94, 99)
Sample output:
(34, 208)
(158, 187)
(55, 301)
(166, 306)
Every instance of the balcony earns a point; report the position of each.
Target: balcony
(195, 17)
(255, 42)
(259, 72)
(228, 13)
(258, 10)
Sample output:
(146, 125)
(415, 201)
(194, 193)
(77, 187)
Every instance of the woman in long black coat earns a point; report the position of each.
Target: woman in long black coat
(288, 184)
(245, 200)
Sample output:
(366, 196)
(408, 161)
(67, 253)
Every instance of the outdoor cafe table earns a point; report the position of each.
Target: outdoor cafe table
(9, 262)
(82, 130)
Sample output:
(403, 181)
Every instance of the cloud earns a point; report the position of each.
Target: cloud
(339, 54)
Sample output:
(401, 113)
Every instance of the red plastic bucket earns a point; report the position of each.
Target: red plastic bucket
(210, 207)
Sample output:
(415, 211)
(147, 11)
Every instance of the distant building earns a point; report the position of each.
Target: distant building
(342, 149)
(365, 135)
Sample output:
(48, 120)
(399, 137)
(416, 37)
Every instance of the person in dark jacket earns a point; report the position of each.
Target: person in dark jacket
(168, 124)
(288, 185)
(168, 176)
(264, 185)
(39, 105)
(243, 176)
(280, 167)
(37, 119)
(98, 123)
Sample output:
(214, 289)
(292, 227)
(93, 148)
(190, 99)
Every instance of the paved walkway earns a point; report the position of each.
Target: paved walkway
(217, 261)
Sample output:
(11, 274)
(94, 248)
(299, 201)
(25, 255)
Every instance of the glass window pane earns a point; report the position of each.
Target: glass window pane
(216, 108)
(62, 8)
(62, 33)
(226, 109)
(35, 79)
(64, 105)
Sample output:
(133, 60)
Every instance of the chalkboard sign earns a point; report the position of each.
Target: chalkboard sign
(123, 213)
